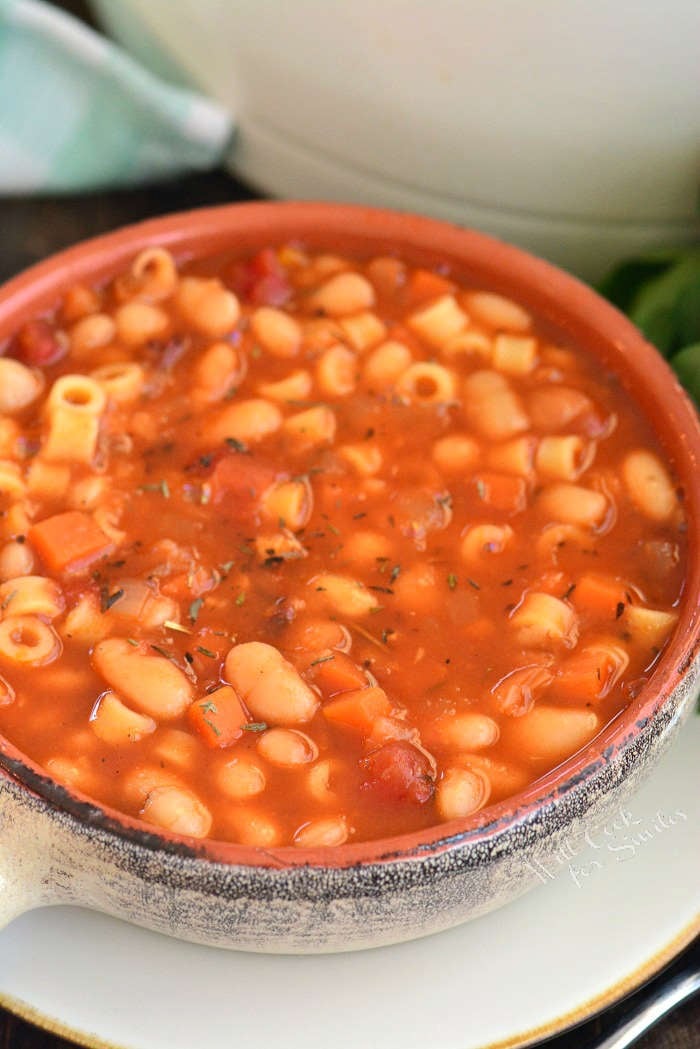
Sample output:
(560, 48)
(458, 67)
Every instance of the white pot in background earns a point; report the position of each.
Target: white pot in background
(571, 127)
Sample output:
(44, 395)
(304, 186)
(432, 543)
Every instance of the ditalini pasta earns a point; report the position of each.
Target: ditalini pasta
(301, 549)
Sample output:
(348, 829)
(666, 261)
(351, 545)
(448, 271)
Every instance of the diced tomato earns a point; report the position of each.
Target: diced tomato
(398, 772)
(261, 281)
(240, 481)
(38, 345)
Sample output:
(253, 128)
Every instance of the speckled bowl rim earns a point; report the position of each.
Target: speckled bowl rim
(556, 298)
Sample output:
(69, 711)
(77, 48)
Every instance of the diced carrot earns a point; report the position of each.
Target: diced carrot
(584, 679)
(589, 675)
(424, 285)
(358, 710)
(69, 543)
(219, 717)
(580, 681)
(501, 491)
(600, 596)
(336, 672)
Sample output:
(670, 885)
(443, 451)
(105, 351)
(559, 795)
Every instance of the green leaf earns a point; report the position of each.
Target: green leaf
(656, 306)
(688, 311)
(659, 327)
(686, 365)
(621, 284)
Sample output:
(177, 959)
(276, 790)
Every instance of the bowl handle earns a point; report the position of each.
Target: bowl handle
(21, 868)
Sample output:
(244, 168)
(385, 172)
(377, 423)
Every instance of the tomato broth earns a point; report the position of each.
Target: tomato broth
(306, 549)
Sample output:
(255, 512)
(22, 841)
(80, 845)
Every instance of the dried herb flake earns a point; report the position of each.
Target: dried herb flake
(163, 652)
(322, 659)
(108, 600)
(170, 624)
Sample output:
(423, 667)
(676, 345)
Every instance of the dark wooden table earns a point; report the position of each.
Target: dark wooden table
(33, 228)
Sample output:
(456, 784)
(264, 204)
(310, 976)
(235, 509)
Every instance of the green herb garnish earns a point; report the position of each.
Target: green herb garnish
(161, 486)
(163, 652)
(8, 599)
(236, 445)
(170, 624)
(322, 659)
(108, 600)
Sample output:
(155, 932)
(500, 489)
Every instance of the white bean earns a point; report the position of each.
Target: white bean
(649, 485)
(286, 747)
(19, 385)
(177, 810)
(152, 683)
(461, 792)
(319, 833)
(271, 687)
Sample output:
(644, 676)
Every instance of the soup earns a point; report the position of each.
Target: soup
(305, 549)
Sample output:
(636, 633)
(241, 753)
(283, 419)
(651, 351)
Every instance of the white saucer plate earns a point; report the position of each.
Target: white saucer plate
(608, 913)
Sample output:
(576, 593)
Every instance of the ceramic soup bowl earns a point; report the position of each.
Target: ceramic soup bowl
(57, 846)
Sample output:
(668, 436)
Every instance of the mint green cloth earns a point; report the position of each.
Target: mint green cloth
(77, 113)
